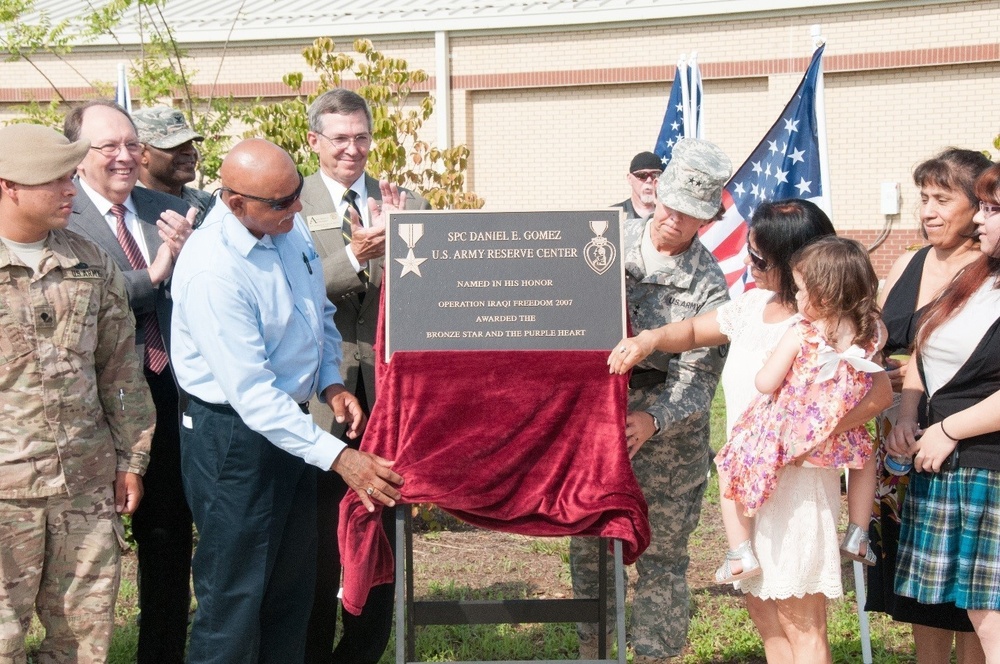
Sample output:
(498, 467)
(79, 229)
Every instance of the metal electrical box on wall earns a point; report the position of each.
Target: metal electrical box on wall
(890, 198)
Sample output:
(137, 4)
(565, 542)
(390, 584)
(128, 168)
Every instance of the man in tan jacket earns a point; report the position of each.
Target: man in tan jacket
(337, 204)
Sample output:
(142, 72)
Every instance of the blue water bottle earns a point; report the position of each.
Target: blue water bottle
(898, 465)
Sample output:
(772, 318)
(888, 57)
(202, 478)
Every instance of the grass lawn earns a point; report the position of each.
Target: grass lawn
(472, 564)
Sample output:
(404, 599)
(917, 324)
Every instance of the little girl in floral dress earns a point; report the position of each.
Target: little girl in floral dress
(820, 369)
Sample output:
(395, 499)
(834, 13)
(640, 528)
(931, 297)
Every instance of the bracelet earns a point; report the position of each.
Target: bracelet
(947, 435)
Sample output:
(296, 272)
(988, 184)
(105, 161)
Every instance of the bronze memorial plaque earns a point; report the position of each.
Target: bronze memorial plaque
(474, 280)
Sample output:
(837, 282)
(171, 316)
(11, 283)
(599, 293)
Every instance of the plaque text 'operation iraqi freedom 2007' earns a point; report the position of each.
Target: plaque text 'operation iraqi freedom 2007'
(504, 280)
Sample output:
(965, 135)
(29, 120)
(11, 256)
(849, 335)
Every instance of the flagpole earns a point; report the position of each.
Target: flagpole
(824, 160)
(824, 156)
(682, 71)
(697, 125)
(122, 94)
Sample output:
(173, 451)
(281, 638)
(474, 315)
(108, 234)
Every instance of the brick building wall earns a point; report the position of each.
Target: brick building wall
(553, 116)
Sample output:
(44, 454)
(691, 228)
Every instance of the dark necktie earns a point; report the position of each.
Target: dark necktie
(156, 354)
(351, 198)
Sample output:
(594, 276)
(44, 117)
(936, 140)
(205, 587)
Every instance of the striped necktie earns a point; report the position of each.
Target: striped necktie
(156, 353)
(351, 198)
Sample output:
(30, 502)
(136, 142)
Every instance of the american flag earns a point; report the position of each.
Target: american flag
(786, 164)
(673, 128)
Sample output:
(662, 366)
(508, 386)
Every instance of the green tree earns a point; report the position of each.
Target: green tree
(398, 153)
(159, 70)
(23, 40)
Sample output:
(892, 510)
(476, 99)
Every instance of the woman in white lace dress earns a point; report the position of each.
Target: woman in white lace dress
(795, 533)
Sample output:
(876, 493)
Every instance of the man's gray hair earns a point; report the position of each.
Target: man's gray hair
(339, 101)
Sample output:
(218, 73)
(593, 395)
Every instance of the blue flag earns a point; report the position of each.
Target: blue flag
(672, 129)
(678, 110)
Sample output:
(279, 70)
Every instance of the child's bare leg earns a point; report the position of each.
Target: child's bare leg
(861, 493)
(861, 486)
(740, 561)
(737, 524)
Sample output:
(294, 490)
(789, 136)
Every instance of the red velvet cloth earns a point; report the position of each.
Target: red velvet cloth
(530, 442)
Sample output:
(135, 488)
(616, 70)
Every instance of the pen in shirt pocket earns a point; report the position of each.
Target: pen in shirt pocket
(306, 261)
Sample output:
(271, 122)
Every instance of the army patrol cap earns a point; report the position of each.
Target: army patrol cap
(163, 127)
(693, 180)
(32, 154)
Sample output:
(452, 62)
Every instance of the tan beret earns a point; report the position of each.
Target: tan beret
(33, 154)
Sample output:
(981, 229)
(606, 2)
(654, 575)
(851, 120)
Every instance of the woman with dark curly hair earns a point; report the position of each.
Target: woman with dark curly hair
(795, 530)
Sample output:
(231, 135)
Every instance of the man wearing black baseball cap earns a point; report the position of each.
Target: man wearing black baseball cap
(642, 174)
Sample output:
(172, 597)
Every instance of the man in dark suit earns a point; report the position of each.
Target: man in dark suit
(337, 204)
(143, 232)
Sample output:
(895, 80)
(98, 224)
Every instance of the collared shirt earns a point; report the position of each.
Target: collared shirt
(132, 223)
(253, 328)
(337, 192)
(76, 406)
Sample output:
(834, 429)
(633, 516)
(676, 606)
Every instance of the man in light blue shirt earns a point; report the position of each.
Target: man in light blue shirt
(253, 339)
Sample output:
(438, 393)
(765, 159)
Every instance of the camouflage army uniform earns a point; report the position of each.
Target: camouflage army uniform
(673, 464)
(75, 410)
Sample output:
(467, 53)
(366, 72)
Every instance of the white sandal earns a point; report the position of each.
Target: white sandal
(744, 554)
(850, 547)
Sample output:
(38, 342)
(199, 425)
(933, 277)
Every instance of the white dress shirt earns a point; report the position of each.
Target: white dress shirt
(337, 192)
(132, 222)
(253, 328)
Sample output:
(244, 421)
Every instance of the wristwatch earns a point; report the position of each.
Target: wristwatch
(656, 423)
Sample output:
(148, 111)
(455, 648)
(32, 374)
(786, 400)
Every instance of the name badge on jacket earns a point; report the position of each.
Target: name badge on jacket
(323, 222)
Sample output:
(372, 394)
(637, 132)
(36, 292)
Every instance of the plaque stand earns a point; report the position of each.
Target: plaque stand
(411, 613)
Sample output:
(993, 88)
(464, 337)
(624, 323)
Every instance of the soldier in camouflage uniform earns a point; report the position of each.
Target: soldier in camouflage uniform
(669, 276)
(77, 415)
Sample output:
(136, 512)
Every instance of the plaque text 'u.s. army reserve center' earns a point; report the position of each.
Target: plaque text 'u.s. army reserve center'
(504, 280)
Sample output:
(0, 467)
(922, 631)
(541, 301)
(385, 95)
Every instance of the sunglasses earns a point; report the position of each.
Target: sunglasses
(643, 176)
(276, 204)
(757, 260)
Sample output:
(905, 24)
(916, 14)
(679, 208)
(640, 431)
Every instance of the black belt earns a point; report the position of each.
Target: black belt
(646, 378)
(226, 408)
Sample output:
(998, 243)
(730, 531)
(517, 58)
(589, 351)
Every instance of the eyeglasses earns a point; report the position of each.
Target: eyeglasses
(112, 149)
(277, 204)
(362, 141)
(643, 176)
(757, 260)
(988, 209)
